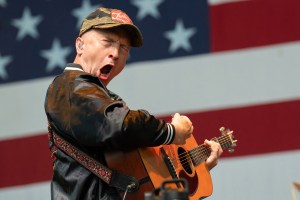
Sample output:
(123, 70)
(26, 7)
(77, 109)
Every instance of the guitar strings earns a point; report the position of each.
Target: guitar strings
(185, 158)
(195, 150)
(221, 140)
(200, 152)
(195, 155)
(203, 150)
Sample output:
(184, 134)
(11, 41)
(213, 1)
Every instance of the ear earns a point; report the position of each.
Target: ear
(79, 45)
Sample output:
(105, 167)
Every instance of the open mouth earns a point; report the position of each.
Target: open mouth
(104, 72)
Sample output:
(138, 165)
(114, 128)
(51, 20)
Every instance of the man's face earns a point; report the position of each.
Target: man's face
(104, 53)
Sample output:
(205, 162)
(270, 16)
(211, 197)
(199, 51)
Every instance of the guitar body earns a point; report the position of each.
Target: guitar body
(130, 163)
(150, 162)
(198, 177)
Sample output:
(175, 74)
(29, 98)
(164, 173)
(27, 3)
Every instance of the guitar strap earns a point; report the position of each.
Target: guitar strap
(111, 177)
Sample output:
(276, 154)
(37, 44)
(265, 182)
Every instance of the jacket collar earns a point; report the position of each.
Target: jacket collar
(73, 66)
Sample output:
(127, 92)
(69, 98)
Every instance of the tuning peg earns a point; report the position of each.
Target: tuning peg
(234, 143)
(222, 130)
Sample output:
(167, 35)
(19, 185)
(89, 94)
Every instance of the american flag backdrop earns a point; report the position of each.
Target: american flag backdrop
(232, 63)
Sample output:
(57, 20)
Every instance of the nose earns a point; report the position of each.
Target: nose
(114, 51)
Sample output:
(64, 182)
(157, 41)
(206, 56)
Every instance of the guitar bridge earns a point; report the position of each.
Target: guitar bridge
(169, 165)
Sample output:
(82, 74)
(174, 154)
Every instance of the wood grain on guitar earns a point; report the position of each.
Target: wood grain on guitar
(168, 162)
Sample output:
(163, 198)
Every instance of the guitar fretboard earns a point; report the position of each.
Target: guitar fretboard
(202, 152)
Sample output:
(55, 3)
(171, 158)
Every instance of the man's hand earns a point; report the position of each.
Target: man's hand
(183, 128)
(216, 151)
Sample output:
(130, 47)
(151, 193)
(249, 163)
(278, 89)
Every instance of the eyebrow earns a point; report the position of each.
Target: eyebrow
(108, 36)
(120, 34)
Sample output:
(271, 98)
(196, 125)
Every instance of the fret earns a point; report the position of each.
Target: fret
(200, 153)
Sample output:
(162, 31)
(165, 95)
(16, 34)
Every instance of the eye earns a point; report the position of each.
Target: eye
(107, 43)
(125, 48)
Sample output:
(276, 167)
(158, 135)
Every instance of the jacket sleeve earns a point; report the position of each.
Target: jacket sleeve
(99, 120)
(140, 129)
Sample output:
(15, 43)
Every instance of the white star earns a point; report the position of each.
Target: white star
(147, 7)
(179, 37)
(4, 61)
(82, 12)
(27, 24)
(56, 56)
(3, 3)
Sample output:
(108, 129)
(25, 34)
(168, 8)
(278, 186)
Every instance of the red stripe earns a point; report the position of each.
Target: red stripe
(254, 23)
(259, 129)
(25, 160)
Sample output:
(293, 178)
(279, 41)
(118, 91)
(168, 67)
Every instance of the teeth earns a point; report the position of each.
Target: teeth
(104, 75)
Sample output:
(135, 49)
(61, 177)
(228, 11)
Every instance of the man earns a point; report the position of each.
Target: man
(85, 113)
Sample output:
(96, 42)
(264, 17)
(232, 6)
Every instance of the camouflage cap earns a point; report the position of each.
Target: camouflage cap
(104, 18)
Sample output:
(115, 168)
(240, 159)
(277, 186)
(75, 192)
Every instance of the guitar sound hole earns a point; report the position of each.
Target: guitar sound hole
(185, 160)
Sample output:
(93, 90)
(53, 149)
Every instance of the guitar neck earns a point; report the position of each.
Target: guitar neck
(202, 152)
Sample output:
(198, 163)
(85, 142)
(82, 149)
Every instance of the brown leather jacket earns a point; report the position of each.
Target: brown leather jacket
(95, 120)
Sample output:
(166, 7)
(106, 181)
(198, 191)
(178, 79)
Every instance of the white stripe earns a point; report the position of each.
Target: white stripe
(31, 192)
(268, 176)
(73, 68)
(207, 82)
(170, 134)
(167, 135)
(218, 2)
(197, 83)
(22, 108)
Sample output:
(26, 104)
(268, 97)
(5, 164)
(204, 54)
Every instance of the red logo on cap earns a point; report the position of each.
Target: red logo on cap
(120, 16)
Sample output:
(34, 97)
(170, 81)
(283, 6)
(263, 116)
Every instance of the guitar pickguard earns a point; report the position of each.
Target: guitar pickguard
(170, 165)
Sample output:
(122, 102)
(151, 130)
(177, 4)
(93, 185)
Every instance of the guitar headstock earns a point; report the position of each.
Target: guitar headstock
(230, 142)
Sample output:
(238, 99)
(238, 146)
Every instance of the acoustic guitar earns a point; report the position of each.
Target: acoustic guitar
(154, 165)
